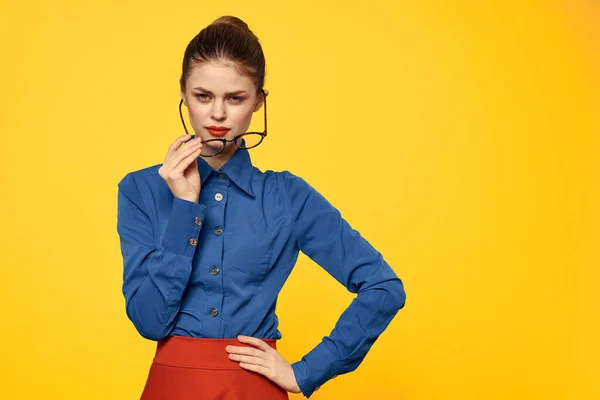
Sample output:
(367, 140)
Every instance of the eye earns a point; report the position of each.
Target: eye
(200, 96)
(236, 98)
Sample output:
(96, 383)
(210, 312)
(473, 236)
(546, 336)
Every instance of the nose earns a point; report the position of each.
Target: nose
(218, 110)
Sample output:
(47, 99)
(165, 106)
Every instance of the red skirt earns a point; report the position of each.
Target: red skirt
(186, 368)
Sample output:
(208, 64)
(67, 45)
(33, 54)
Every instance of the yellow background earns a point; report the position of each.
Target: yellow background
(460, 138)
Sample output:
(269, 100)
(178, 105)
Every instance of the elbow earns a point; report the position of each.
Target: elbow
(151, 334)
(148, 324)
(397, 294)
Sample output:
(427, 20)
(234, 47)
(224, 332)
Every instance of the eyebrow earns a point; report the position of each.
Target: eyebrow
(209, 92)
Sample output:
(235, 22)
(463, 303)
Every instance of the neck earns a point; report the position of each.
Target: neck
(220, 159)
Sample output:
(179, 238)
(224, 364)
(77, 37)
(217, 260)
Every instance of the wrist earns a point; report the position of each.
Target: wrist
(190, 199)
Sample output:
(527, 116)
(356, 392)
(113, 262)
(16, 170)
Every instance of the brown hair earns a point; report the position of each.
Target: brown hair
(227, 40)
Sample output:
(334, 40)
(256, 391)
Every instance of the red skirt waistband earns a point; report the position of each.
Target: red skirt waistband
(206, 353)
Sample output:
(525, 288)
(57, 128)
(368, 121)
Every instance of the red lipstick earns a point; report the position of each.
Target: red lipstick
(218, 131)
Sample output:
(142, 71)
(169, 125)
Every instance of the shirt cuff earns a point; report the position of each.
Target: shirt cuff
(183, 228)
(314, 369)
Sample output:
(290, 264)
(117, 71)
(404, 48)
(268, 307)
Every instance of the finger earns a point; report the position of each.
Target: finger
(181, 154)
(177, 146)
(256, 342)
(194, 142)
(246, 350)
(255, 368)
(182, 166)
(249, 359)
(186, 151)
(178, 142)
(197, 139)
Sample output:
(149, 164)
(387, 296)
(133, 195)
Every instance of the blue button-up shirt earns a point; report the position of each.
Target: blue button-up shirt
(215, 268)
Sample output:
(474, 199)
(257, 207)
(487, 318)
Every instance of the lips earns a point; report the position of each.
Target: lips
(218, 131)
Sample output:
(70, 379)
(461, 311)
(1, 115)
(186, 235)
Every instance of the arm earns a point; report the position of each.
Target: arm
(155, 277)
(324, 236)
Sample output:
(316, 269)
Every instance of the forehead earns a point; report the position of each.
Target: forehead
(218, 78)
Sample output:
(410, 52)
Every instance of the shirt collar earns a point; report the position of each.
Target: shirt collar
(238, 168)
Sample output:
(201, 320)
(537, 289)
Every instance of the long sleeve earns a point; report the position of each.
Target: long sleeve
(155, 277)
(324, 236)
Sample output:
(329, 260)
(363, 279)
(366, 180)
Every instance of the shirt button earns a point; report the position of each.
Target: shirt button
(193, 241)
(215, 271)
(214, 312)
(218, 231)
(221, 176)
(198, 221)
(218, 197)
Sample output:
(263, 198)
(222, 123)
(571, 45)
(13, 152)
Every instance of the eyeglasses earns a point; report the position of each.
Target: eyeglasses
(247, 140)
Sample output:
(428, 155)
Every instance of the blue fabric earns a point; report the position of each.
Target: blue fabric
(173, 287)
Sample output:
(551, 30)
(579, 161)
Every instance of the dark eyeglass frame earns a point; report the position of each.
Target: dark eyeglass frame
(234, 140)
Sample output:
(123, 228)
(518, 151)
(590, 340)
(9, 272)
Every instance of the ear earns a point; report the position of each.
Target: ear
(183, 97)
(261, 100)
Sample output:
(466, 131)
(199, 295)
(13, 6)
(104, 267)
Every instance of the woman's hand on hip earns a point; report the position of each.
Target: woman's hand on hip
(180, 168)
(264, 360)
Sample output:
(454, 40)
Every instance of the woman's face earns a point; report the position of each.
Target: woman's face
(216, 95)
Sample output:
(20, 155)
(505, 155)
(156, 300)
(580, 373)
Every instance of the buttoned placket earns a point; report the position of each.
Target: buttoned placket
(214, 194)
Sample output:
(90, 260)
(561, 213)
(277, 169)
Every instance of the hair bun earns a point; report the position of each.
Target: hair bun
(231, 20)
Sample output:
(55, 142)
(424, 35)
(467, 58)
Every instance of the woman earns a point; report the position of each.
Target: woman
(208, 241)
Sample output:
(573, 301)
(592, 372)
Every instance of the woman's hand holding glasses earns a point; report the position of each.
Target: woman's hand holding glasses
(180, 168)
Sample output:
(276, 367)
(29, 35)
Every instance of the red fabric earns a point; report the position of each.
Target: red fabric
(186, 368)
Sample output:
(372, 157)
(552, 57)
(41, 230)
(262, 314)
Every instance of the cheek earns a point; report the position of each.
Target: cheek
(197, 113)
(242, 118)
